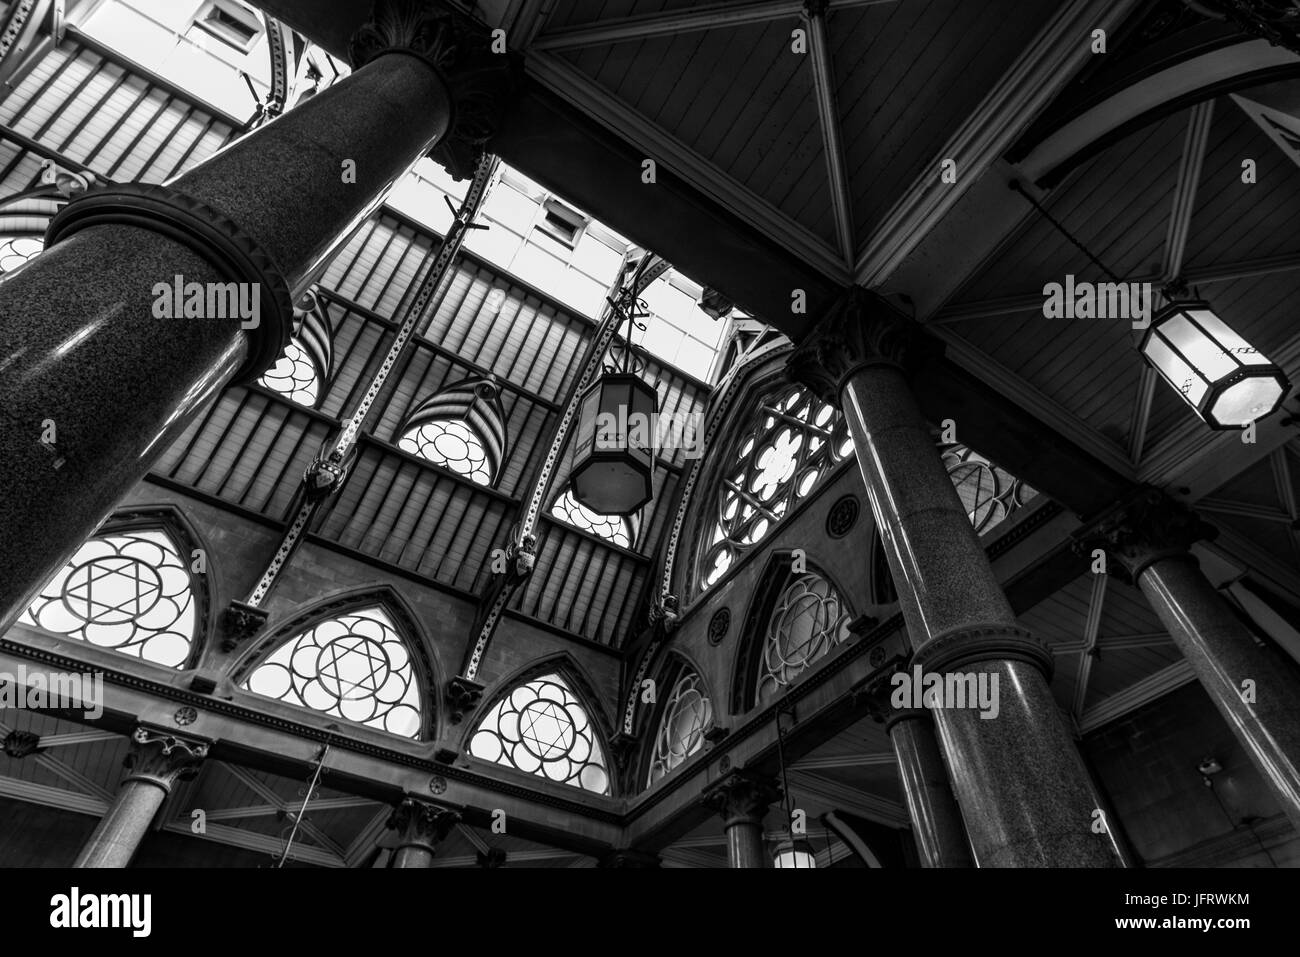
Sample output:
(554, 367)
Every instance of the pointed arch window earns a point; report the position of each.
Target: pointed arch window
(304, 367)
(686, 715)
(462, 429)
(354, 666)
(809, 619)
(792, 443)
(619, 529)
(541, 727)
(129, 591)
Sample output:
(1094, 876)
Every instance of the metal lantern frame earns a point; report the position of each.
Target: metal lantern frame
(1223, 342)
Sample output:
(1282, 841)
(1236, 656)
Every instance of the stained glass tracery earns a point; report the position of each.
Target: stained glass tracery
(15, 251)
(809, 620)
(453, 444)
(794, 442)
(354, 666)
(129, 591)
(541, 727)
(294, 375)
(687, 714)
(613, 528)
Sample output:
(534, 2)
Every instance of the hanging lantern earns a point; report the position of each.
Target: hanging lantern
(614, 445)
(794, 854)
(1224, 378)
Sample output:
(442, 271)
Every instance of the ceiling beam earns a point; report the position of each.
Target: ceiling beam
(1091, 626)
(832, 141)
(846, 761)
(1045, 68)
(263, 791)
(669, 153)
(1136, 695)
(678, 22)
(367, 837)
(841, 797)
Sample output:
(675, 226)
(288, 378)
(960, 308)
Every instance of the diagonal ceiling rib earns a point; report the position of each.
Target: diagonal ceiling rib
(833, 144)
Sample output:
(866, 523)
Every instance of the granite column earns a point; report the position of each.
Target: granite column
(156, 762)
(1024, 792)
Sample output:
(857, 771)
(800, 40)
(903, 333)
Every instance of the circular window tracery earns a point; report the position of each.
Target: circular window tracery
(453, 444)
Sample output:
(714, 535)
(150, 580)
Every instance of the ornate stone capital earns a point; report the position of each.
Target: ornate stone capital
(19, 744)
(208, 232)
(240, 622)
(162, 758)
(1277, 21)
(1147, 528)
(477, 68)
(422, 824)
(742, 797)
(861, 330)
(463, 696)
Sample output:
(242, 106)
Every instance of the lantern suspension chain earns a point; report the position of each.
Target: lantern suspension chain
(1018, 188)
(332, 472)
(311, 790)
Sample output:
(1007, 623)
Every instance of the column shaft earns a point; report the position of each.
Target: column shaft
(1024, 793)
(936, 819)
(121, 830)
(745, 844)
(1264, 715)
(83, 349)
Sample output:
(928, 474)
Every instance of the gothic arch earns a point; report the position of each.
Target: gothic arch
(191, 553)
(778, 575)
(576, 680)
(406, 624)
(672, 670)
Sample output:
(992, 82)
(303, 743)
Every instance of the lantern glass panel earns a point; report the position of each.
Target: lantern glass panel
(1245, 401)
(1180, 375)
(1197, 347)
(1229, 340)
(796, 855)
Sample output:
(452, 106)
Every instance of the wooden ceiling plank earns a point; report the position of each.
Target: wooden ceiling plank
(657, 143)
(1050, 62)
(673, 23)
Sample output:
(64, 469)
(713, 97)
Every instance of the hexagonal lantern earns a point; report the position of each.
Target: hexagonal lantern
(614, 444)
(1224, 378)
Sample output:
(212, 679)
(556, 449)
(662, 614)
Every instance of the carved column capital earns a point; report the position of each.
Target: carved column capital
(421, 824)
(742, 797)
(860, 330)
(1141, 531)
(478, 70)
(162, 758)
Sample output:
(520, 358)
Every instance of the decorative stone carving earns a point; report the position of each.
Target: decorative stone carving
(207, 231)
(421, 823)
(479, 80)
(1277, 21)
(162, 758)
(719, 625)
(622, 747)
(1135, 534)
(240, 622)
(664, 615)
(463, 696)
(19, 744)
(860, 330)
(742, 796)
(325, 476)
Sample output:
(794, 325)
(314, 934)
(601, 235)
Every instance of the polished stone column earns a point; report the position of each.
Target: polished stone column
(742, 799)
(1147, 541)
(1023, 790)
(97, 378)
(421, 827)
(936, 819)
(156, 762)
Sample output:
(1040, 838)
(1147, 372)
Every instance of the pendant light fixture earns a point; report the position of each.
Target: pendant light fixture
(614, 442)
(1226, 380)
